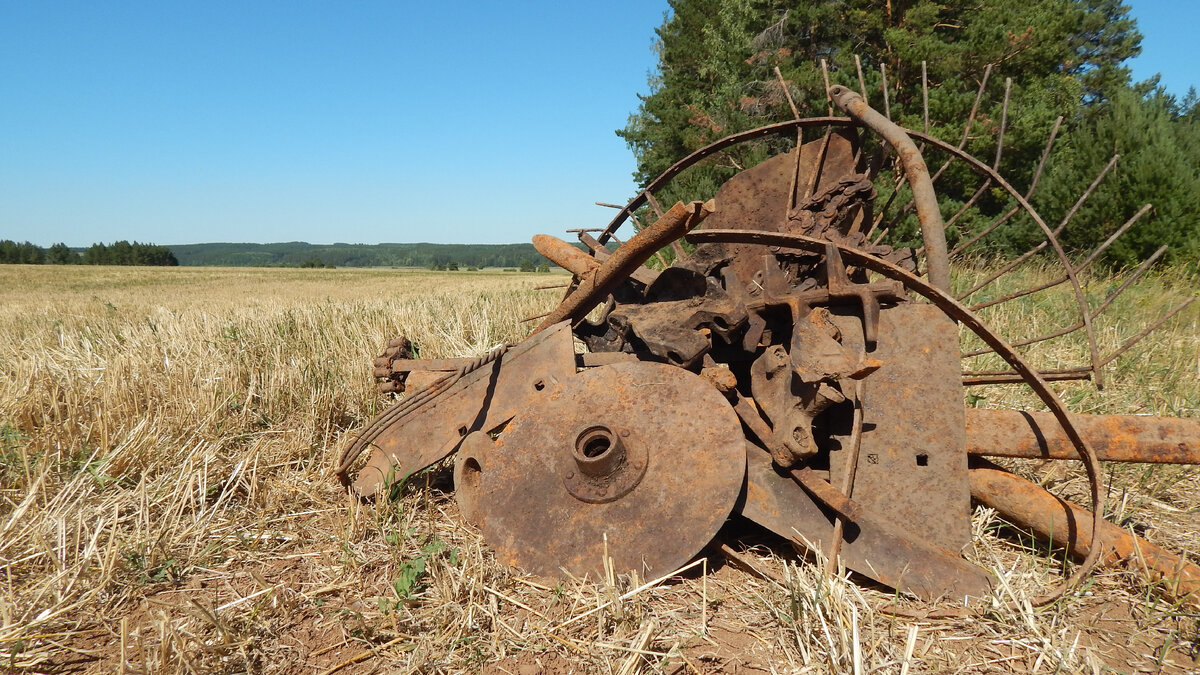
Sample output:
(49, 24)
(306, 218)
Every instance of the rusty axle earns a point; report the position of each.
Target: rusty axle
(1115, 438)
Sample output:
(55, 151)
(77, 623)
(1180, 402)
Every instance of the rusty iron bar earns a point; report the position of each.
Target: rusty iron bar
(862, 84)
(1070, 527)
(1116, 438)
(1100, 309)
(956, 310)
(1082, 266)
(847, 487)
(932, 230)
(925, 98)
(674, 224)
(887, 105)
(1012, 377)
(786, 93)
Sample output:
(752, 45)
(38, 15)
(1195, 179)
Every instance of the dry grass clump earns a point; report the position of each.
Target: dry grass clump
(166, 505)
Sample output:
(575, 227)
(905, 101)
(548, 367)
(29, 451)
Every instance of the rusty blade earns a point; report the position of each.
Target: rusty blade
(1115, 438)
(871, 547)
(1069, 526)
(482, 399)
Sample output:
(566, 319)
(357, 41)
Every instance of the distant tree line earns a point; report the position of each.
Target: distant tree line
(301, 254)
(117, 253)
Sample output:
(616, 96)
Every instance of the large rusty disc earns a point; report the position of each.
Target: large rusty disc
(644, 456)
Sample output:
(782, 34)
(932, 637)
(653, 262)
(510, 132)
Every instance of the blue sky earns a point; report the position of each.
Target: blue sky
(173, 122)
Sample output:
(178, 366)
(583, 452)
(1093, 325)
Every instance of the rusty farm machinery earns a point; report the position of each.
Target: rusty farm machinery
(786, 368)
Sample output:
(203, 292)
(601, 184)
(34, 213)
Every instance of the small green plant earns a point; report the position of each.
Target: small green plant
(409, 580)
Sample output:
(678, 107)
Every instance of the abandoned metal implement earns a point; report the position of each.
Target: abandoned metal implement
(786, 368)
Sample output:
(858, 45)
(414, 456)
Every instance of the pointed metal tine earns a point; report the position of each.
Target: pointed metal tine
(862, 84)
(995, 163)
(1141, 269)
(658, 212)
(1053, 235)
(1005, 270)
(1082, 266)
(1013, 377)
(1023, 343)
(969, 203)
(900, 181)
(1086, 193)
(787, 93)
(925, 97)
(1003, 123)
(1132, 278)
(887, 107)
(1113, 237)
(825, 76)
(819, 168)
(962, 142)
(1037, 176)
(1150, 329)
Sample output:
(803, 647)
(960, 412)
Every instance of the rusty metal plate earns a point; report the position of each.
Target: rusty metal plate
(871, 546)
(481, 400)
(644, 456)
(757, 198)
(912, 466)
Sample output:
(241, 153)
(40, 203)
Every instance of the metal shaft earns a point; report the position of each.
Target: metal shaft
(1069, 526)
(593, 288)
(933, 230)
(1115, 438)
(564, 255)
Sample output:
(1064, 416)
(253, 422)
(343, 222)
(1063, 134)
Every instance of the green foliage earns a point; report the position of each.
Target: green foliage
(23, 254)
(119, 253)
(717, 76)
(1158, 140)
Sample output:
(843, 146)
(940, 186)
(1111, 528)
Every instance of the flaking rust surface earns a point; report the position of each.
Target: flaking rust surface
(912, 468)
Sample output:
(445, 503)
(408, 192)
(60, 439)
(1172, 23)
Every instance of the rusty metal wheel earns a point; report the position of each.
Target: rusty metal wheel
(611, 463)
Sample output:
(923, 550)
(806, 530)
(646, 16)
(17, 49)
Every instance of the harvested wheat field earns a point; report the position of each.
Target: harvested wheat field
(167, 504)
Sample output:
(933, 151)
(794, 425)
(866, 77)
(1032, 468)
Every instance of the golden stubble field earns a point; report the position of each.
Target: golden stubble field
(167, 505)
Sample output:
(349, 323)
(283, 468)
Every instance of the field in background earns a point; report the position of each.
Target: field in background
(166, 504)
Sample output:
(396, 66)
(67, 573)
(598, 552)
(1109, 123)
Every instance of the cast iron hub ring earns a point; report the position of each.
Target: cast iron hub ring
(602, 466)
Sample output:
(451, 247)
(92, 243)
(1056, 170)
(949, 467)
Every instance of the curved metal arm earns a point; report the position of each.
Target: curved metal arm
(933, 231)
